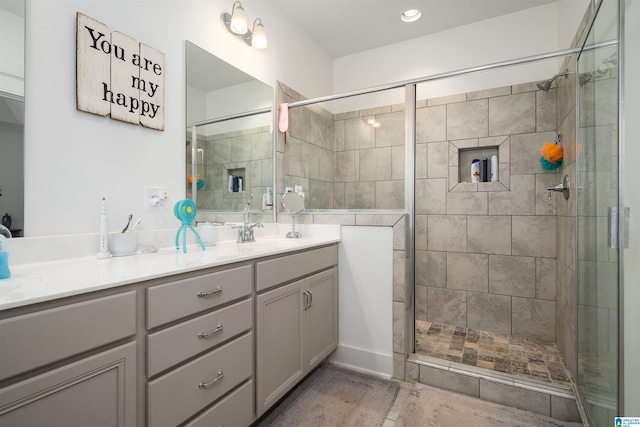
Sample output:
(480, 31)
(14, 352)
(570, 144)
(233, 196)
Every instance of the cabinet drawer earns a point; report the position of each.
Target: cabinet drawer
(280, 270)
(179, 394)
(170, 346)
(188, 296)
(40, 338)
(235, 410)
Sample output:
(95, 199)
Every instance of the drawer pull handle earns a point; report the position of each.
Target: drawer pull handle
(203, 294)
(208, 334)
(207, 385)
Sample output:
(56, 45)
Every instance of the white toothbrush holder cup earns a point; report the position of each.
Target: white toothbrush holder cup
(123, 244)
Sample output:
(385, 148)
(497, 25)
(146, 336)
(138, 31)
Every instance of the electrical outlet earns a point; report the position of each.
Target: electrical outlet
(154, 197)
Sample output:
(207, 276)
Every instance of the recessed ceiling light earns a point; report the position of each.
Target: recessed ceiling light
(410, 15)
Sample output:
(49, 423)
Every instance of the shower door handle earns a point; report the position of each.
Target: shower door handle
(613, 227)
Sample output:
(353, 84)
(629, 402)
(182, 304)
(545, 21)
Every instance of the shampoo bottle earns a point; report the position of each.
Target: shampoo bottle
(475, 170)
(494, 168)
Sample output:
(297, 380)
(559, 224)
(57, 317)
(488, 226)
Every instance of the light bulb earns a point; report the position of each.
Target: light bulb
(238, 21)
(259, 38)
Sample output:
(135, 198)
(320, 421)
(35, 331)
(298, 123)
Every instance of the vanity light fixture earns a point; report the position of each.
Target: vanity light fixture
(410, 15)
(236, 23)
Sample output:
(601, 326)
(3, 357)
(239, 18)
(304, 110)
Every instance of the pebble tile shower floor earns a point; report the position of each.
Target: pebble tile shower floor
(518, 356)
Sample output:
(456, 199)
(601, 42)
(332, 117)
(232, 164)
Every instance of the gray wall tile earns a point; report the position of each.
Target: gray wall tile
(389, 195)
(397, 163)
(519, 200)
(512, 114)
(431, 124)
(447, 233)
(468, 271)
(544, 206)
(431, 196)
(488, 312)
(358, 134)
(565, 410)
(421, 302)
(450, 381)
(467, 203)
(438, 159)
(421, 232)
(546, 278)
(489, 234)
(546, 111)
(431, 268)
(345, 166)
(533, 236)
(468, 119)
(391, 130)
(447, 306)
(515, 397)
(534, 318)
(511, 275)
(375, 164)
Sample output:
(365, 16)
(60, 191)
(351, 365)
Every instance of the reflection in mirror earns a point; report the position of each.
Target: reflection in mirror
(12, 115)
(228, 141)
(347, 153)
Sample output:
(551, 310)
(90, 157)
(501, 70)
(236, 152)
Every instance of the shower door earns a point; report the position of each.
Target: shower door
(598, 218)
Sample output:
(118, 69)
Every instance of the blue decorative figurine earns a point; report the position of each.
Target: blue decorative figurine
(185, 211)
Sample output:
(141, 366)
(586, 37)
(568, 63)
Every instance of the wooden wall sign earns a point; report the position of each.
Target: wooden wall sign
(116, 75)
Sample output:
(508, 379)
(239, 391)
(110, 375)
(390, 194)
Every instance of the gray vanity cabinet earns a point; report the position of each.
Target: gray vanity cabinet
(296, 323)
(59, 368)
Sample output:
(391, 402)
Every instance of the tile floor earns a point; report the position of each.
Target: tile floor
(533, 359)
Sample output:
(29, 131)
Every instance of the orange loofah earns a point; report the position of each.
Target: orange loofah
(551, 152)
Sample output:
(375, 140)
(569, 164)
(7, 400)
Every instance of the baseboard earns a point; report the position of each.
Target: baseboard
(364, 361)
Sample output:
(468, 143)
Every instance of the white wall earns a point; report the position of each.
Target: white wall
(73, 158)
(570, 14)
(632, 200)
(11, 59)
(529, 32)
(366, 299)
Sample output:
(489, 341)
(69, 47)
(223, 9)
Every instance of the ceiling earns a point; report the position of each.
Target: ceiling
(344, 27)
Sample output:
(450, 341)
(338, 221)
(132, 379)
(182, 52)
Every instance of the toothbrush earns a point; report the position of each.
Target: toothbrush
(103, 247)
(128, 222)
(135, 224)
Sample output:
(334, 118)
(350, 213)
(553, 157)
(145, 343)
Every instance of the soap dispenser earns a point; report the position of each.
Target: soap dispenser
(5, 235)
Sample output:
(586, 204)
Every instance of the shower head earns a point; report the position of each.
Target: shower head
(546, 85)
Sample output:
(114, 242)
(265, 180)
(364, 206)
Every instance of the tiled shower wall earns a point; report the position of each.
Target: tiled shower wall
(249, 149)
(369, 159)
(485, 255)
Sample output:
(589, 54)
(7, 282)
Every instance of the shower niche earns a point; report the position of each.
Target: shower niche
(463, 152)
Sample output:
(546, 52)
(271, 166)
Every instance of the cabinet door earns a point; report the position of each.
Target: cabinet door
(97, 391)
(279, 337)
(321, 316)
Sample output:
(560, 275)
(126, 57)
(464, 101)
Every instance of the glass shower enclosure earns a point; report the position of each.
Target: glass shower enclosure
(599, 216)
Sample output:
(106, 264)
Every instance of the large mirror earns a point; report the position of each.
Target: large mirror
(12, 24)
(228, 140)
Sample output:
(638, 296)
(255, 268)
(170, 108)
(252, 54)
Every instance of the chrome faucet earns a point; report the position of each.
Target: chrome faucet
(245, 231)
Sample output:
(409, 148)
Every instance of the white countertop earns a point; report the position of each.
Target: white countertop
(44, 281)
